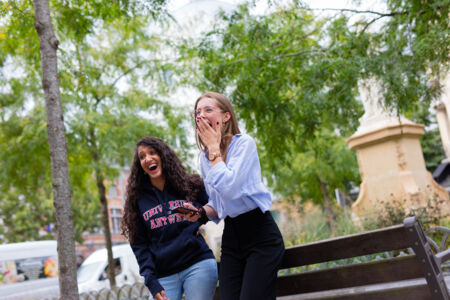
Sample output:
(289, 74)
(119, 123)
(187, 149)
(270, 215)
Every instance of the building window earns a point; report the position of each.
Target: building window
(112, 191)
(116, 217)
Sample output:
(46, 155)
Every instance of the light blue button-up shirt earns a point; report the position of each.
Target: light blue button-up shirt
(235, 187)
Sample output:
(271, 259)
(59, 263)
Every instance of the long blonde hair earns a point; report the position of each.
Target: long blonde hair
(229, 130)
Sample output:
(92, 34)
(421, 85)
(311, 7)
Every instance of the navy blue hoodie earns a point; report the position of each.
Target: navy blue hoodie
(164, 243)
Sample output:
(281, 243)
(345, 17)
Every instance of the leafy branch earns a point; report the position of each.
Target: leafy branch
(300, 53)
(391, 14)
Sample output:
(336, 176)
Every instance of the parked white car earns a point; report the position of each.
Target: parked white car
(29, 270)
(92, 272)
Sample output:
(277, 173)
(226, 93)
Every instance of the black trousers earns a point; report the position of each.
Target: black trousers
(252, 250)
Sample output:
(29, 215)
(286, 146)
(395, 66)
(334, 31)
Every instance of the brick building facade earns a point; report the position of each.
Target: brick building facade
(116, 199)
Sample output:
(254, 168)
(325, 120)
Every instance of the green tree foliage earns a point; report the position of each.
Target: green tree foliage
(26, 189)
(409, 51)
(326, 160)
(293, 78)
(315, 173)
(295, 94)
(433, 152)
(283, 81)
(21, 137)
(74, 20)
(111, 94)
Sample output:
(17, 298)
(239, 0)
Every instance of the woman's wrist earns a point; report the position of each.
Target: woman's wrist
(214, 148)
(203, 217)
(213, 154)
(210, 212)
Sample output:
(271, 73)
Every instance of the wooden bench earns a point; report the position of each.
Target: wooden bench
(416, 276)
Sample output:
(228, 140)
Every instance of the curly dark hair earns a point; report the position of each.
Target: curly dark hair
(186, 185)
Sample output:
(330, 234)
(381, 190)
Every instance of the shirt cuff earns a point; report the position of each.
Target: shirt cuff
(212, 204)
(215, 220)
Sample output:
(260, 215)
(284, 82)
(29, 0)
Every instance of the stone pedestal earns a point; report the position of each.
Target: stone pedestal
(392, 168)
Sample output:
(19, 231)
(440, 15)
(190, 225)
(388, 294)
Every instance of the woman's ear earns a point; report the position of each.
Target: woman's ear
(226, 117)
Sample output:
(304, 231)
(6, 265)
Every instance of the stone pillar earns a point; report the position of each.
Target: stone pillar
(392, 169)
(390, 160)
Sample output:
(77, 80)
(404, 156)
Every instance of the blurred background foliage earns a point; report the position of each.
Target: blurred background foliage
(293, 78)
(291, 74)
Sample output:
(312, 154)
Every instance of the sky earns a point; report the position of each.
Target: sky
(320, 7)
(316, 4)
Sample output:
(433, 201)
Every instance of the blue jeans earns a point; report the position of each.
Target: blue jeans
(198, 282)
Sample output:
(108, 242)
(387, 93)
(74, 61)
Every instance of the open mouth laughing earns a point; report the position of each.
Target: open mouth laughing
(153, 167)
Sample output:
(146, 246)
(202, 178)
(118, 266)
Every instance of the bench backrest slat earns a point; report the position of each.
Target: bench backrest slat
(414, 292)
(376, 241)
(380, 271)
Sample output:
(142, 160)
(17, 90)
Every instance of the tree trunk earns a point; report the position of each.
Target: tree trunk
(105, 221)
(330, 216)
(104, 207)
(58, 152)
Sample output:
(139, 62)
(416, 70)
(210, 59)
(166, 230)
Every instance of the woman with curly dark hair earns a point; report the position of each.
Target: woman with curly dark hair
(172, 256)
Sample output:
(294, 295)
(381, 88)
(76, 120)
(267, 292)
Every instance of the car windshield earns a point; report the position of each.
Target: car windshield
(85, 272)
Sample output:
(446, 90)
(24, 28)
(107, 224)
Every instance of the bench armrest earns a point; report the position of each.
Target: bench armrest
(442, 257)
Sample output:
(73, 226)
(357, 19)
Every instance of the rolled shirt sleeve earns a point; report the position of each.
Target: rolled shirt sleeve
(235, 187)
